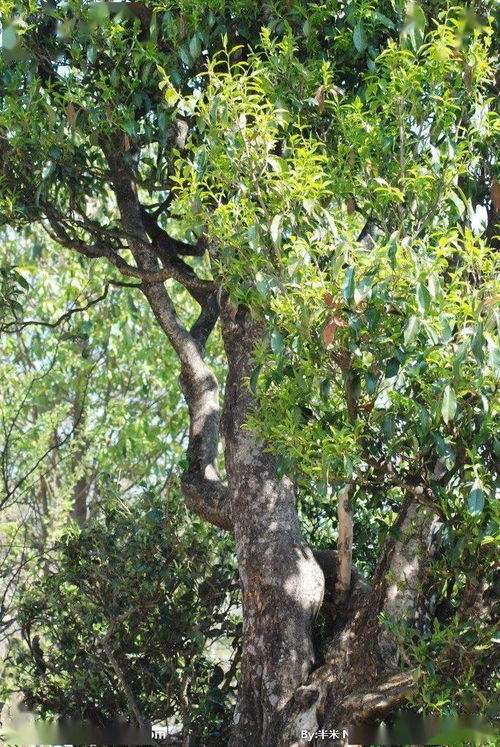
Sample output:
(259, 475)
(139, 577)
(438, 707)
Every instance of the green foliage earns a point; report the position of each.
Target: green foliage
(151, 582)
(342, 160)
(351, 220)
(77, 416)
(12, 286)
(455, 658)
(70, 389)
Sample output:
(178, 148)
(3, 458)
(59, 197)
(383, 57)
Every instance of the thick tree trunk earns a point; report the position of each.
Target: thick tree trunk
(360, 680)
(281, 580)
(282, 696)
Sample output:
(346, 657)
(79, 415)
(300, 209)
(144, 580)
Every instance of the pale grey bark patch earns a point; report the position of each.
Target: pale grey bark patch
(344, 542)
(404, 573)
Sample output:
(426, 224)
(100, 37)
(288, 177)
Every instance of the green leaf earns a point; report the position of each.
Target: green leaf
(371, 382)
(359, 37)
(276, 231)
(254, 239)
(411, 330)
(392, 367)
(476, 500)
(276, 341)
(383, 19)
(460, 206)
(348, 284)
(200, 161)
(419, 17)
(393, 248)
(477, 343)
(171, 96)
(91, 53)
(254, 377)
(433, 285)
(22, 281)
(324, 389)
(9, 38)
(494, 356)
(194, 46)
(184, 55)
(449, 404)
(264, 284)
(423, 298)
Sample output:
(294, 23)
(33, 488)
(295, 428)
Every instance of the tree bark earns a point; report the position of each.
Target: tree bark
(281, 694)
(281, 580)
(360, 680)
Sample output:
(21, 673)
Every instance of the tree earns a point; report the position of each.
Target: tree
(122, 632)
(70, 405)
(322, 181)
(79, 611)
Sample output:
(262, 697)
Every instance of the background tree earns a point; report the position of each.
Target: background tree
(132, 623)
(323, 180)
(73, 409)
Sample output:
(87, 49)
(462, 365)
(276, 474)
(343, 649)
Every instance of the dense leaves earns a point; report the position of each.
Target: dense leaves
(132, 582)
(333, 167)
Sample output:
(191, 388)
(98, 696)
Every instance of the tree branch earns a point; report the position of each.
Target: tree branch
(202, 487)
(380, 698)
(96, 251)
(398, 576)
(203, 490)
(18, 326)
(344, 542)
(164, 244)
(129, 695)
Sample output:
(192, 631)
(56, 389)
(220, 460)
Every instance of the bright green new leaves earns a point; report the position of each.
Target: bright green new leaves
(341, 161)
(358, 225)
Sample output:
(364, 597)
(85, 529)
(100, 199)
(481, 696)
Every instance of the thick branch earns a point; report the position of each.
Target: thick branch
(176, 269)
(203, 490)
(165, 245)
(344, 542)
(398, 576)
(380, 698)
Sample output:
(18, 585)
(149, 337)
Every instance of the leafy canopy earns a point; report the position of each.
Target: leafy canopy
(341, 162)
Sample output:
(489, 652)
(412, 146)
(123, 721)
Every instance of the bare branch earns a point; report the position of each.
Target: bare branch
(203, 490)
(344, 542)
(164, 244)
(398, 576)
(129, 695)
(97, 251)
(17, 326)
(9, 492)
(380, 698)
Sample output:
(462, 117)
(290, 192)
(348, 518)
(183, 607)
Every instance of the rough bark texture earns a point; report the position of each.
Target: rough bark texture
(282, 689)
(344, 542)
(281, 580)
(360, 680)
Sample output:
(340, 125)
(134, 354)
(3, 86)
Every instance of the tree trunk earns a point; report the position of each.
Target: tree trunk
(281, 580)
(361, 680)
(282, 696)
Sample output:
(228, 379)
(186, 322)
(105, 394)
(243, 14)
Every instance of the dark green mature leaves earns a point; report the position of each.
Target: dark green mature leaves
(340, 160)
(158, 593)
